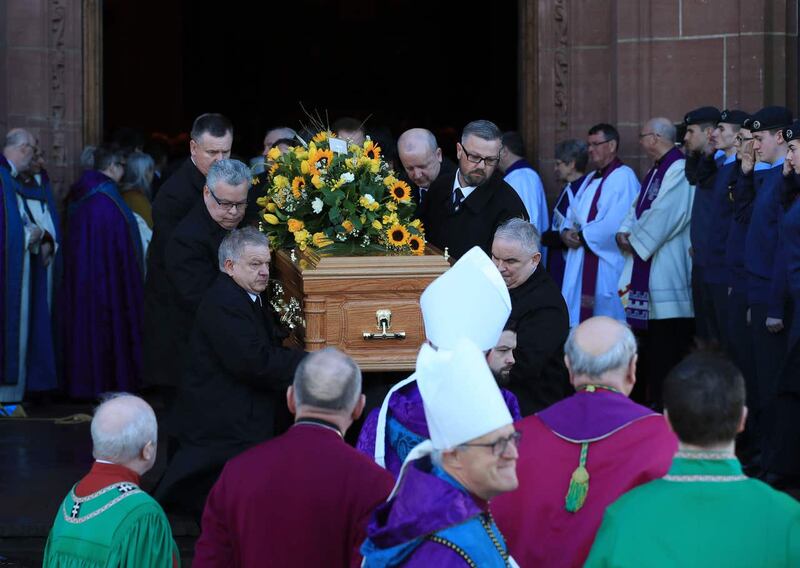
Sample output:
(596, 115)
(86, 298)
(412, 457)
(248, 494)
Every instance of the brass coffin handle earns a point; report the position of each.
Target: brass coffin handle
(384, 321)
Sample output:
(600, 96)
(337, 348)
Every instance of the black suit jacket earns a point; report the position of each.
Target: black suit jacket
(539, 376)
(237, 371)
(192, 266)
(481, 212)
(447, 168)
(175, 199)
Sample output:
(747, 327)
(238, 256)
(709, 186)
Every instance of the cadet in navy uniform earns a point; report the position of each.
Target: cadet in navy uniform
(701, 168)
(767, 312)
(782, 446)
(716, 276)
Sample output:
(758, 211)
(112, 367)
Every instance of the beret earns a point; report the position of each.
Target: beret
(702, 115)
(769, 118)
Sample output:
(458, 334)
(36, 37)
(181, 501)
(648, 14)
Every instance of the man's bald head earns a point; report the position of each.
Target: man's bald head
(122, 426)
(327, 381)
(601, 350)
(420, 155)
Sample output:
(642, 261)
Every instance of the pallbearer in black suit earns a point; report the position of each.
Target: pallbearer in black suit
(423, 163)
(466, 207)
(191, 254)
(211, 141)
(236, 374)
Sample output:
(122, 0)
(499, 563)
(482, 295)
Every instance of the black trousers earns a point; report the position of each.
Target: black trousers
(718, 294)
(661, 347)
(740, 350)
(707, 328)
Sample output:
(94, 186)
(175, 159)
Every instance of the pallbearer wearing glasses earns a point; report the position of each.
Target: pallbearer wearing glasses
(191, 253)
(465, 207)
(577, 456)
(594, 263)
(438, 514)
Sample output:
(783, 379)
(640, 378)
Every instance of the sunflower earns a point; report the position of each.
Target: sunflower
(400, 192)
(397, 235)
(298, 185)
(321, 136)
(372, 150)
(319, 160)
(274, 168)
(416, 244)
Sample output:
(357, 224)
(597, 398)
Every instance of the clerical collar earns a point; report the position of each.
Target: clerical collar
(594, 388)
(321, 423)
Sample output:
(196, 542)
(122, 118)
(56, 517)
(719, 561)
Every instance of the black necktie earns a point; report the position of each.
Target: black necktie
(458, 197)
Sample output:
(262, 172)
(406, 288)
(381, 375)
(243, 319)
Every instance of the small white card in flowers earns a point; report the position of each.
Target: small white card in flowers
(338, 146)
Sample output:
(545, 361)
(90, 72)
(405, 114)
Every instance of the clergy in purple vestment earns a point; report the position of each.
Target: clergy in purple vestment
(578, 455)
(438, 514)
(302, 499)
(102, 295)
(469, 300)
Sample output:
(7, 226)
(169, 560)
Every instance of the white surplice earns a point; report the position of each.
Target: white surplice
(619, 191)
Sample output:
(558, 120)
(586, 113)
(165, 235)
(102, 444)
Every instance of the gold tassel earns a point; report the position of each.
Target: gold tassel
(578, 483)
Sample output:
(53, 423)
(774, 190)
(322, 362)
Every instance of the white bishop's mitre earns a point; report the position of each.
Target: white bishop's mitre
(470, 301)
(460, 395)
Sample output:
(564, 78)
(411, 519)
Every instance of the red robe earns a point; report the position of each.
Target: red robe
(633, 446)
(301, 499)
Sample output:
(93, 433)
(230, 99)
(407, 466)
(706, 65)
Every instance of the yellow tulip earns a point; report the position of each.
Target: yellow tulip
(262, 201)
(271, 219)
(321, 240)
(377, 225)
(304, 167)
(271, 207)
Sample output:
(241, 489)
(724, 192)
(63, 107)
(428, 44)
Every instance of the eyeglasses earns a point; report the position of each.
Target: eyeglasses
(227, 204)
(645, 134)
(476, 159)
(500, 446)
(740, 139)
(596, 144)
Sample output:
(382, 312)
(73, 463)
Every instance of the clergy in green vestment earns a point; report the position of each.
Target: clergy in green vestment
(106, 520)
(705, 511)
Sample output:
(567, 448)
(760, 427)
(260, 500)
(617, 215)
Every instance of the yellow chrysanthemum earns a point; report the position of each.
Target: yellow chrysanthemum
(321, 240)
(317, 182)
(389, 180)
(301, 238)
(377, 225)
(295, 225)
(372, 150)
(274, 154)
(416, 244)
(400, 192)
(391, 206)
(271, 219)
(348, 225)
(298, 184)
(279, 182)
(397, 235)
(321, 136)
(390, 219)
(320, 160)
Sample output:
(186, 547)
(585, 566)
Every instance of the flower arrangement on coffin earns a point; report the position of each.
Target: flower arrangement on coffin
(342, 202)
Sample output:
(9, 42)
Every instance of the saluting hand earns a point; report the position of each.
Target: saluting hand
(748, 158)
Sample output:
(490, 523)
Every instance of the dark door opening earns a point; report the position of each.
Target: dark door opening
(404, 62)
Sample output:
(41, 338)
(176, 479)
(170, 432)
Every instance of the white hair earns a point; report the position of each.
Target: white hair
(520, 231)
(232, 172)
(617, 356)
(121, 442)
(232, 246)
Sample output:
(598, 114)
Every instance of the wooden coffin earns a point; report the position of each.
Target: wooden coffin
(367, 306)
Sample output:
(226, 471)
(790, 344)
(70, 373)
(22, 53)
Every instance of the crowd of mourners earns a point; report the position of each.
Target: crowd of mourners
(612, 381)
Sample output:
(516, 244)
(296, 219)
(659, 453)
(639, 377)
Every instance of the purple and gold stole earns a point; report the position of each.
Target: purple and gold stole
(637, 311)
(590, 259)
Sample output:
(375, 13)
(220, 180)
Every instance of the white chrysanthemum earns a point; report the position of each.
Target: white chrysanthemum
(347, 177)
(316, 205)
(369, 198)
